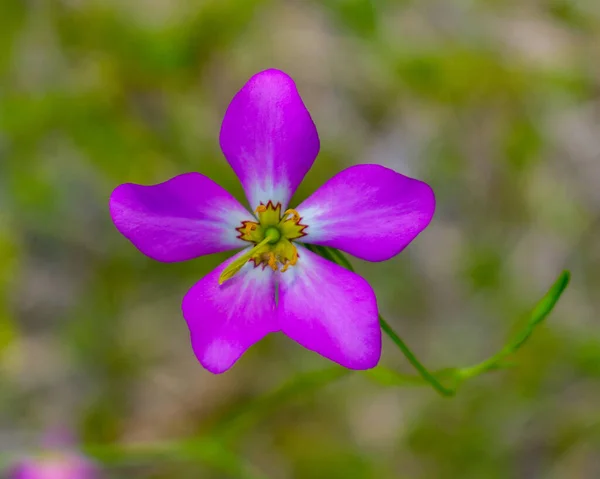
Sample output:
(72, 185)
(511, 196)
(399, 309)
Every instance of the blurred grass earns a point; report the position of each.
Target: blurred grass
(493, 103)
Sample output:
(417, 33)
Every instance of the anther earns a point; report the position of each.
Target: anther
(294, 213)
(260, 209)
(291, 262)
(272, 261)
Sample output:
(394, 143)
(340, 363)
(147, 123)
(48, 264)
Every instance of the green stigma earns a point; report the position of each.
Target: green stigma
(272, 234)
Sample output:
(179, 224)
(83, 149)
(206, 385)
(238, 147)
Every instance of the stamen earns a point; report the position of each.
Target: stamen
(272, 261)
(260, 209)
(294, 213)
(291, 262)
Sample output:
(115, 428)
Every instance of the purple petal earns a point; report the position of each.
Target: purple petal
(69, 466)
(331, 311)
(369, 211)
(269, 138)
(19, 471)
(183, 218)
(225, 320)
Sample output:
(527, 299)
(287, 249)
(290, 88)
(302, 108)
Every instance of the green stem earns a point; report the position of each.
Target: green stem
(425, 374)
(454, 375)
(539, 313)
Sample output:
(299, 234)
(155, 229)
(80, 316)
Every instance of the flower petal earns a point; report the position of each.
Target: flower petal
(225, 320)
(369, 211)
(269, 138)
(183, 218)
(331, 311)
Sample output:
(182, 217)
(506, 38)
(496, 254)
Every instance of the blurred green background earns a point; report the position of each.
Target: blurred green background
(496, 104)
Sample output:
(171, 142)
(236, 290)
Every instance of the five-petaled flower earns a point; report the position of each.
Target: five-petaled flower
(274, 283)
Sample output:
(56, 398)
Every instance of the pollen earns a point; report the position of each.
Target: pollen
(290, 262)
(294, 213)
(272, 261)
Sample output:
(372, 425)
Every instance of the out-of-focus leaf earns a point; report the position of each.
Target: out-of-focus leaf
(253, 410)
(205, 450)
(358, 16)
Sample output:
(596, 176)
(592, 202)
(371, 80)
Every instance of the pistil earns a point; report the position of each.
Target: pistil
(272, 236)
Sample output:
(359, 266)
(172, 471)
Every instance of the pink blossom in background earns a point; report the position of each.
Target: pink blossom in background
(57, 460)
(55, 466)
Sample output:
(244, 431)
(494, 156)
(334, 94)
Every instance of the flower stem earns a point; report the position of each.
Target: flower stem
(425, 374)
(456, 376)
(541, 310)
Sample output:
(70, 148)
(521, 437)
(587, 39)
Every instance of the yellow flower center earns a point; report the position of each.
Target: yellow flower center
(272, 238)
(282, 229)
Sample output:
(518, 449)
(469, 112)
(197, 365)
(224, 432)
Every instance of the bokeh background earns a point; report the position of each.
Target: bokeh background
(496, 104)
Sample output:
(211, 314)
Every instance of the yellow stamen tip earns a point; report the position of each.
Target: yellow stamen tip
(293, 212)
(272, 261)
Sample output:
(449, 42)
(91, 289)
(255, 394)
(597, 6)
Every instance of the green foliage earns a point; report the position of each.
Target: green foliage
(491, 102)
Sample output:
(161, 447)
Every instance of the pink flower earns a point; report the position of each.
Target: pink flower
(274, 283)
(57, 461)
(55, 466)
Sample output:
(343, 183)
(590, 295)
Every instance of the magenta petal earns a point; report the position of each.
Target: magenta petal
(67, 466)
(183, 218)
(20, 471)
(269, 138)
(331, 311)
(369, 211)
(225, 320)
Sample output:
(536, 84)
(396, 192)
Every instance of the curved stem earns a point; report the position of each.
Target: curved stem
(456, 375)
(423, 371)
(541, 310)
